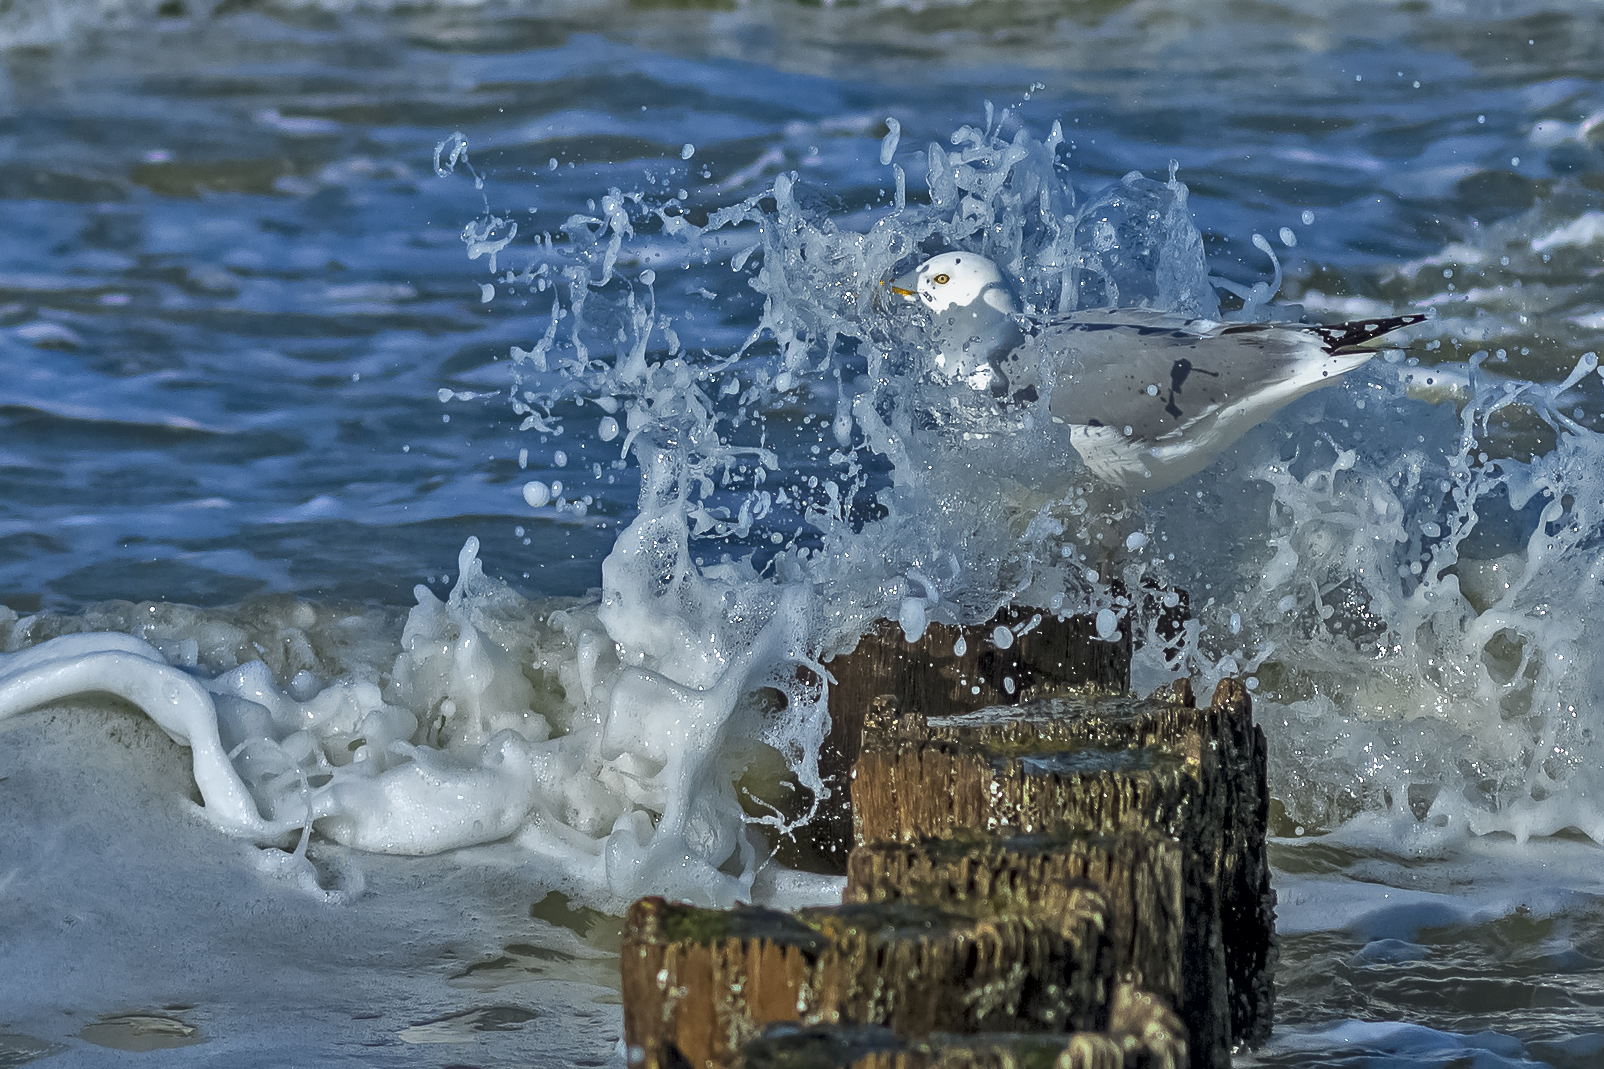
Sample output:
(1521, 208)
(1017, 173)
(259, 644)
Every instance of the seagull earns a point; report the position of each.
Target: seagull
(1149, 398)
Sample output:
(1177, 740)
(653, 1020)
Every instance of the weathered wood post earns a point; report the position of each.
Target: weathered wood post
(1106, 765)
(699, 983)
(1042, 869)
(951, 670)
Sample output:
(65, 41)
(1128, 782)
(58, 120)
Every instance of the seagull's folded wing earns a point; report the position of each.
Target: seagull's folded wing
(1151, 399)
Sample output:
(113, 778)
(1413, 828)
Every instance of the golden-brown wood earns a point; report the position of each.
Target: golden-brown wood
(1138, 873)
(1045, 656)
(918, 968)
(1036, 852)
(697, 983)
(1106, 765)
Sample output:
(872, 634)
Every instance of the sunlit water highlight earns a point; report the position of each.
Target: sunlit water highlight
(231, 376)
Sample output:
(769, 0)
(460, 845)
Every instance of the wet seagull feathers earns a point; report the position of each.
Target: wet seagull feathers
(1149, 398)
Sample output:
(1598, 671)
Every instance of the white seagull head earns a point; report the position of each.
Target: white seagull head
(956, 279)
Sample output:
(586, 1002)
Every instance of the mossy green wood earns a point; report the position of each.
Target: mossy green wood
(1142, 1034)
(1046, 655)
(1105, 765)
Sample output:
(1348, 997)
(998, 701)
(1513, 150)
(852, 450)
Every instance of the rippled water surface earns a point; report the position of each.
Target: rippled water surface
(258, 357)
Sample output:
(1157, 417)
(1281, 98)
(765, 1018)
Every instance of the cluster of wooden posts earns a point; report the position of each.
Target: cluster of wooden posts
(1044, 872)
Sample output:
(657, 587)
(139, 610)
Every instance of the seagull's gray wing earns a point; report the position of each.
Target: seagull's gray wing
(1151, 398)
(1158, 373)
(1157, 379)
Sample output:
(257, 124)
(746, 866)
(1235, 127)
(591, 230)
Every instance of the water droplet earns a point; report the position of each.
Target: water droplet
(1107, 624)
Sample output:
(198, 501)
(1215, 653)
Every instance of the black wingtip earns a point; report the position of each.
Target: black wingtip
(1351, 337)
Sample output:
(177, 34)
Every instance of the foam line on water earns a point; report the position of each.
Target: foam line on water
(1388, 1044)
(135, 671)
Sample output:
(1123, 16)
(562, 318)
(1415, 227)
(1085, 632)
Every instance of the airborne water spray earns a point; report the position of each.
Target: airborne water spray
(793, 488)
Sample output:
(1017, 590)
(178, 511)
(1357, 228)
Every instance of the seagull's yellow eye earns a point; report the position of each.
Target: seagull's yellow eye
(942, 280)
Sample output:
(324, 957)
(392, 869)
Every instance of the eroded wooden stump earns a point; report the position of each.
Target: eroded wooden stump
(1045, 873)
(699, 983)
(916, 967)
(1142, 1034)
(1104, 765)
(1138, 873)
(951, 669)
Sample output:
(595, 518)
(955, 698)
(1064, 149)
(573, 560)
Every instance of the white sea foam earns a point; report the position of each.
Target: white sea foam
(1402, 667)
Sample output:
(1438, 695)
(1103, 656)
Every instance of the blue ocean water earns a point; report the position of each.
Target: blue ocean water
(245, 356)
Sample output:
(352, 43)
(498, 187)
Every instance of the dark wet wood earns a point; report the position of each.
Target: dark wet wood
(1036, 854)
(1142, 1034)
(1046, 656)
(1107, 766)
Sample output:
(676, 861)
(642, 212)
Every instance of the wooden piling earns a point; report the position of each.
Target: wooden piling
(1044, 871)
(1140, 872)
(950, 669)
(1142, 1034)
(699, 983)
(1106, 765)
(916, 967)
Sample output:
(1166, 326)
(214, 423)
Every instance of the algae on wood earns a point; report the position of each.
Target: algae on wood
(1105, 765)
(698, 983)
(1142, 1034)
(1045, 656)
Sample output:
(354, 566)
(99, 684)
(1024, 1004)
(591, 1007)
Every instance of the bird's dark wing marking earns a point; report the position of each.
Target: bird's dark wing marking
(1179, 372)
(1350, 337)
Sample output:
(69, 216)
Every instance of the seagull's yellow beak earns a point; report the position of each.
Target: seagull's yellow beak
(906, 286)
(902, 287)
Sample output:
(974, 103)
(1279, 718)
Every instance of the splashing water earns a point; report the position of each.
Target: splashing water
(1454, 665)
(610, 736)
